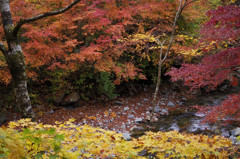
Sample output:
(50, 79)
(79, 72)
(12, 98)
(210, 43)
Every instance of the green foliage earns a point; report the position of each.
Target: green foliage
(66, 140)
(106, 85)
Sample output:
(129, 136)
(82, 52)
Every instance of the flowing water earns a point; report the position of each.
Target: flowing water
(191, 122)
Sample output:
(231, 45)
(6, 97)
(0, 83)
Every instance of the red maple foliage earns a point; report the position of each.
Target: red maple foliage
(218, 65)
(228, 111)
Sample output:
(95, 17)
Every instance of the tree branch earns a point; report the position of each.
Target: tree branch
(3, 49)
(43, 15)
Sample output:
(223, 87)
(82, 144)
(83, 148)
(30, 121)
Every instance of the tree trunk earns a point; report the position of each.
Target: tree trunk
(16, 64)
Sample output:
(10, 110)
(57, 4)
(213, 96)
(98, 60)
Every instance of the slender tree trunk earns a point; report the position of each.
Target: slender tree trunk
(16, 64)
(161, 60)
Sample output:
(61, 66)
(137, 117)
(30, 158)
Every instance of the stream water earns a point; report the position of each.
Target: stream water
(191, 122)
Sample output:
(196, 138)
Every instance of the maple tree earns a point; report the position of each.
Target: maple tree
(221, 62)
(96, 34)
(14, 54)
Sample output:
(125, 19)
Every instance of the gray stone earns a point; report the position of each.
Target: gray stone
(126, 108)
(145, 99)
(157, 109)
(236, 131)
(164, 112)
(180, 103)
(131, 116)
(118, 103)
(139, 104)
(184, 99)
(126, 136)
(149, 109)
(138, 120)
(50, 112)
(70, 99)
(161, 103)
(170, 104)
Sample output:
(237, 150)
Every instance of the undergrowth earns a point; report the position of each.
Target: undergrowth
(25, 139)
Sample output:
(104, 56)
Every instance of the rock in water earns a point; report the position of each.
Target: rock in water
(126, 136)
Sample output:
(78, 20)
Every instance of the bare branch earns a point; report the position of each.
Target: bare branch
(3, 49)
(43, 15)
(173, 29)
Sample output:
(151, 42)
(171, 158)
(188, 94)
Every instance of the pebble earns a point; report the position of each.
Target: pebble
(157, 109)
(118, 103)
(164, 112)
(170, 104)
(123, 126)
(126, 108)
(131, 116)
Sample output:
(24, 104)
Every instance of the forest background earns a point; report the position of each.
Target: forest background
(103, 49)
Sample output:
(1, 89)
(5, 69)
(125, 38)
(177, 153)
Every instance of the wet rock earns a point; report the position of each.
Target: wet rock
(164, 112)
(127, 136)
(126, 108)
(196, 126)
(118, 103)
(236, 131)
(171, 104)
(138, 120)
(225, 133)
(175, 127)
(200, 114)
(70, 99)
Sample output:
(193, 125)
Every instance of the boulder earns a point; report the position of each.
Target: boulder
(70, 99)
(236, 131)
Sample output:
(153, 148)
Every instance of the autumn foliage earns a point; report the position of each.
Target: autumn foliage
(221, 61)
(27, 139)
